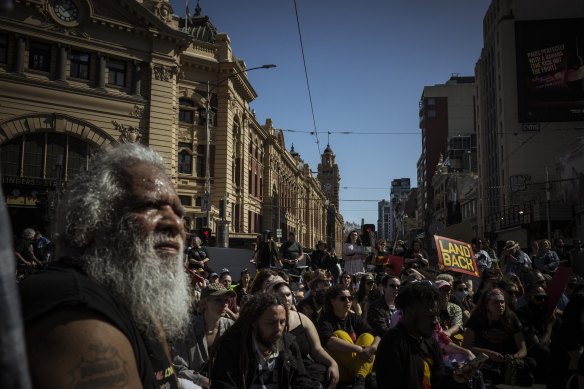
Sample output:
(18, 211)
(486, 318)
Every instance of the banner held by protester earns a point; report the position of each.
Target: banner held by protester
(455, 255)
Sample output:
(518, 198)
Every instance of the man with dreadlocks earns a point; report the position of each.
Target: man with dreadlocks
(268, 356)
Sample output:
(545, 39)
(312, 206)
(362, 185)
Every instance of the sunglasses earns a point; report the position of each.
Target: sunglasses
(369, 283)
(462, 289)
(346, 277)
(393, 286)
(345, 298)
(540, 297)
(513, 292)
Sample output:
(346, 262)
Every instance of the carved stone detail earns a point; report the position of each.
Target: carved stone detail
(184, 135)
(128, 134)
(163, 73)
(137, 112)
(164, 11)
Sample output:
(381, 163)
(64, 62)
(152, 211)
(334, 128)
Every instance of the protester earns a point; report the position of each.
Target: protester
(257, 352)
(191, 354)
(267, 252)
(560, 250)
(409, 356)
(353, 254)
(318, 363)
(416, 257)
(311, 306)
(291, 253)
(43, 248)
(13, 361)
(232, 310)
(577, 257)
(103, 311)
(515, 260)
(546, 260)
(566, 348)
(243, 287)
(449, 314)
(382, 309)
(483, 259)
(537, 328)
(347, 337)
(198, 257)
(488, 280)
(462, 298)
(361, 300)
(496, 331)
(262, 279)
(381, 255)
(347, 280)
(24, 251)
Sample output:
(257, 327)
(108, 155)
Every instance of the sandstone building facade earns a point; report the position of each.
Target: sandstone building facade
(77, 76)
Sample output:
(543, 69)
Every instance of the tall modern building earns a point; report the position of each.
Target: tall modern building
(384, 220)
(530, 119)
(398, 198)
(446, 117)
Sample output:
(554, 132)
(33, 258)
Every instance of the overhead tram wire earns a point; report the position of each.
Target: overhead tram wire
(306, 76)
(353, 132)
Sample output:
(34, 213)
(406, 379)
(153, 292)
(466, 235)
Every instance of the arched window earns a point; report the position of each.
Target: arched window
(185, 159)
(45, 155)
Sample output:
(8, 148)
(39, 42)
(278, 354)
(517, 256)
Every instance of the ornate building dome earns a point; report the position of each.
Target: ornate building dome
(198, 26)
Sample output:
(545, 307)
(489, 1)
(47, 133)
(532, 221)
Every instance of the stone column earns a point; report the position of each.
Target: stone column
(62, 63)
(19, 62)
(137, 78)
(100, 83)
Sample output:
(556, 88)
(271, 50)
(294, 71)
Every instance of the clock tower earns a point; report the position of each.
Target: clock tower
(329, 177)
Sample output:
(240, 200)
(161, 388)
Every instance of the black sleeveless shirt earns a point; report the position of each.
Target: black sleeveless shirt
(64, 286)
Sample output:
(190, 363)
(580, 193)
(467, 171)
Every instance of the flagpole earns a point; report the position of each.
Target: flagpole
(187, 16)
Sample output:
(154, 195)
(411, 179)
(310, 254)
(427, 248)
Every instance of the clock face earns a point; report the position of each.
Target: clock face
(66, 10)
(328, 187)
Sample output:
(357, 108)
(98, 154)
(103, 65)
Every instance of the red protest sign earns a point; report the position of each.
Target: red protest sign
(557, 286)
(455, 255)
(396, 263)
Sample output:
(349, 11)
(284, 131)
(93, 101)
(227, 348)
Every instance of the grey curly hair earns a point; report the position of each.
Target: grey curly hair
(88, 208)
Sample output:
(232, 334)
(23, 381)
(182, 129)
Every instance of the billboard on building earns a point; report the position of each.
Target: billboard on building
(550, 70)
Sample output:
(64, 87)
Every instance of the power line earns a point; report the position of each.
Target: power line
(353, 132)
(306, 76)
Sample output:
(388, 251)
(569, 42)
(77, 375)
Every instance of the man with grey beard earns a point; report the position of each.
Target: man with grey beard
(101, 315)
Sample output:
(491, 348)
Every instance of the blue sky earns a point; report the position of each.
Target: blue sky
(367, 61)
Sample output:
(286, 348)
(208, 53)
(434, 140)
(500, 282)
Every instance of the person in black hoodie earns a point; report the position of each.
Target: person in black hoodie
(257, 352)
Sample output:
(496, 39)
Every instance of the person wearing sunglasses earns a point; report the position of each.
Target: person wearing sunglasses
(361, 301)
(537, 328)
(347, 337)
(382, 309)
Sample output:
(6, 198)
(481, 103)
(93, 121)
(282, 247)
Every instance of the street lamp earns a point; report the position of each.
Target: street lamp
(207, 196)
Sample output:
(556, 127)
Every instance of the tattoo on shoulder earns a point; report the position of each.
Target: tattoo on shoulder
(101, 367)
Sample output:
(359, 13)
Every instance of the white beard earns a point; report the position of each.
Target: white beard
(153, 287)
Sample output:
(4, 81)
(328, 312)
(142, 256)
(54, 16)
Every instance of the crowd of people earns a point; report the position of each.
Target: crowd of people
(123, 303)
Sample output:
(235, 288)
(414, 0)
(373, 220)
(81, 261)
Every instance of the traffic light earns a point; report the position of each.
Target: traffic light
(205, 235)
(368, 235)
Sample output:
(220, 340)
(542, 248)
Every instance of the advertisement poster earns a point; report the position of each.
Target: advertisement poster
(454, 255)
(550, 70)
